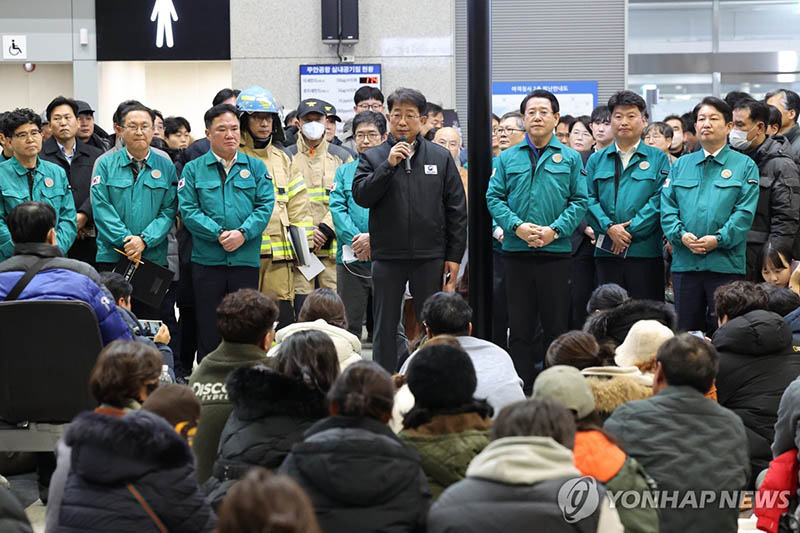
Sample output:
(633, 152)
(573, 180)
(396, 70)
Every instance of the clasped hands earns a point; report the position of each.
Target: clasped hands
(536, 236)
(699, 246)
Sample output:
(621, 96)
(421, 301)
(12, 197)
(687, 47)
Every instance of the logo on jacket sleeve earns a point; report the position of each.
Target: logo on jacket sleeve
(181, 183)
(95, 180)
(431, 169)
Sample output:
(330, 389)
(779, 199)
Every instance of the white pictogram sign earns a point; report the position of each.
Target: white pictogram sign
(15, 47)
(164, 15)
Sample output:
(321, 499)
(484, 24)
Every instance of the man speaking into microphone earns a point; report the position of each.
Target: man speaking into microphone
(417, 219)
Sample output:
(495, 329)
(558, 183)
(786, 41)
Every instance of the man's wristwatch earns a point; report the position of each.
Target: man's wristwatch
(143, 241)
(554, 231)
(515, 226)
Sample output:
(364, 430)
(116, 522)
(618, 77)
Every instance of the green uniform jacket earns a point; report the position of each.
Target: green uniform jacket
(144, 207)
(50, 185)
(716, 197)
(638, 198)
(349, 218)
(553, 195)
(209, 207)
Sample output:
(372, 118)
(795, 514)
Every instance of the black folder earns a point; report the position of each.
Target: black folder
(150, 281)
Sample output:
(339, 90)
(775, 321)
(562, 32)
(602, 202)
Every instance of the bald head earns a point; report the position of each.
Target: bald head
(450, 139)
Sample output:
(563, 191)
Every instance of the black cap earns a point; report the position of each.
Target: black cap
(315, 105)
(84, 107)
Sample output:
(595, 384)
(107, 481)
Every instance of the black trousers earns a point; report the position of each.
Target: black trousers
(211, 284)
(537, 290)
(389, 282)
(84, 250)
(187, 322)
(694, 298)
(499, 304)
(582, 281)
(642, 277)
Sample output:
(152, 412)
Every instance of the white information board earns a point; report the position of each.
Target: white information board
(574, 97)
(336, 84)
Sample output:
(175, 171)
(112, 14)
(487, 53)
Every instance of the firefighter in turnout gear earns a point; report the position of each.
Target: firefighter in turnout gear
(262, 137)
(317, 160)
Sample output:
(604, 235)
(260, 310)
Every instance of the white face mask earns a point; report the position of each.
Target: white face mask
(677, 141)
(313, 130)
(738, 139)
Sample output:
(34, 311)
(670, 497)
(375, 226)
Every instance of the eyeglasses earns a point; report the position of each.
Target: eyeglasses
(372, 136)
(507, 131)
(397, 117)
(136, 128)
(370, 107)
(27, 134)
(653, 137)
(544, 113)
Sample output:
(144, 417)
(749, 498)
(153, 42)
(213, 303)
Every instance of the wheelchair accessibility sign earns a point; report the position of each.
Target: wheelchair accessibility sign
(15, 47)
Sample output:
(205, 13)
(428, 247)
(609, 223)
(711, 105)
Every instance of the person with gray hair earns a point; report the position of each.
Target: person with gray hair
(788, 103)
(511, 130)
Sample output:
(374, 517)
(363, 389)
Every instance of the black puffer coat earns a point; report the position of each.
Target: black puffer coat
(271, 413)
(756, 364)
(360, 477)
(141, 449)
(612, 325)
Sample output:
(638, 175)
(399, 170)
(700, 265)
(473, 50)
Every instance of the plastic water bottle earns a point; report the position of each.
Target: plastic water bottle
(165, 378)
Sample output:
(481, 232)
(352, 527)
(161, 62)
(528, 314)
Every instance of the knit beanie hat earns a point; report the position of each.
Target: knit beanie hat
(177, 404)
(565, 385)
(642, 343)
(441, 377)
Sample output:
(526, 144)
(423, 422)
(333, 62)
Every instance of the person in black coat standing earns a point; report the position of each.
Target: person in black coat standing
(756, 364)
(359, 474)
(417, 219)
(77, 159)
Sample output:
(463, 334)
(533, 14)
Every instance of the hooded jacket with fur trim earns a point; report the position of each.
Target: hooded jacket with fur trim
(611, 326)
(141, 449)
(271, 412)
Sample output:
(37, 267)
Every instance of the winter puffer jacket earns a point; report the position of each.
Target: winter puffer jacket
(271, 413)
(360, 477)
(63, 279)
(446, 445)
(12, 514)
(611, 326)
(140, 449)
(756, 364)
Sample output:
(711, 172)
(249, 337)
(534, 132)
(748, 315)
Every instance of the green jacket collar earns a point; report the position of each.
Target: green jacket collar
(234, 352)
(127, 161)
(554, 143)
(19, 169)
(211, 159)
(721, 158)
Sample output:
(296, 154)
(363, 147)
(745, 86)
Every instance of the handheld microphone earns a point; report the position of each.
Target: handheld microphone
(408, 159)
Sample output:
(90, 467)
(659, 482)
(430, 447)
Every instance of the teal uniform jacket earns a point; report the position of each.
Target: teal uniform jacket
(716, 197)
(144, 207)
(50, 184)
(208, 207)
(554, 194)
(349, 218)
(638, 198)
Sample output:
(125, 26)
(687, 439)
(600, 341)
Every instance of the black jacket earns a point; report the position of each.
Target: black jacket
(756, 364)
(421, 215)
(778, 209)
(196, 149)
(141, 449)
(79, 173)
(612, 325)
(360, 477)
(271, 413)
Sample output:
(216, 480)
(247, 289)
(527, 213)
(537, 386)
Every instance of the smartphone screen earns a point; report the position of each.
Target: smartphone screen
(150, 327)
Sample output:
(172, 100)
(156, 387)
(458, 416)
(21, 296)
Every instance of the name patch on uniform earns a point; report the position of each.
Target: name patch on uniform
(95, 180)
(48, 182)
(156, 173)
(726, 173)
(244, 173)
(181, 183)
(557, 158)
(644, 165)
(431, 169)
